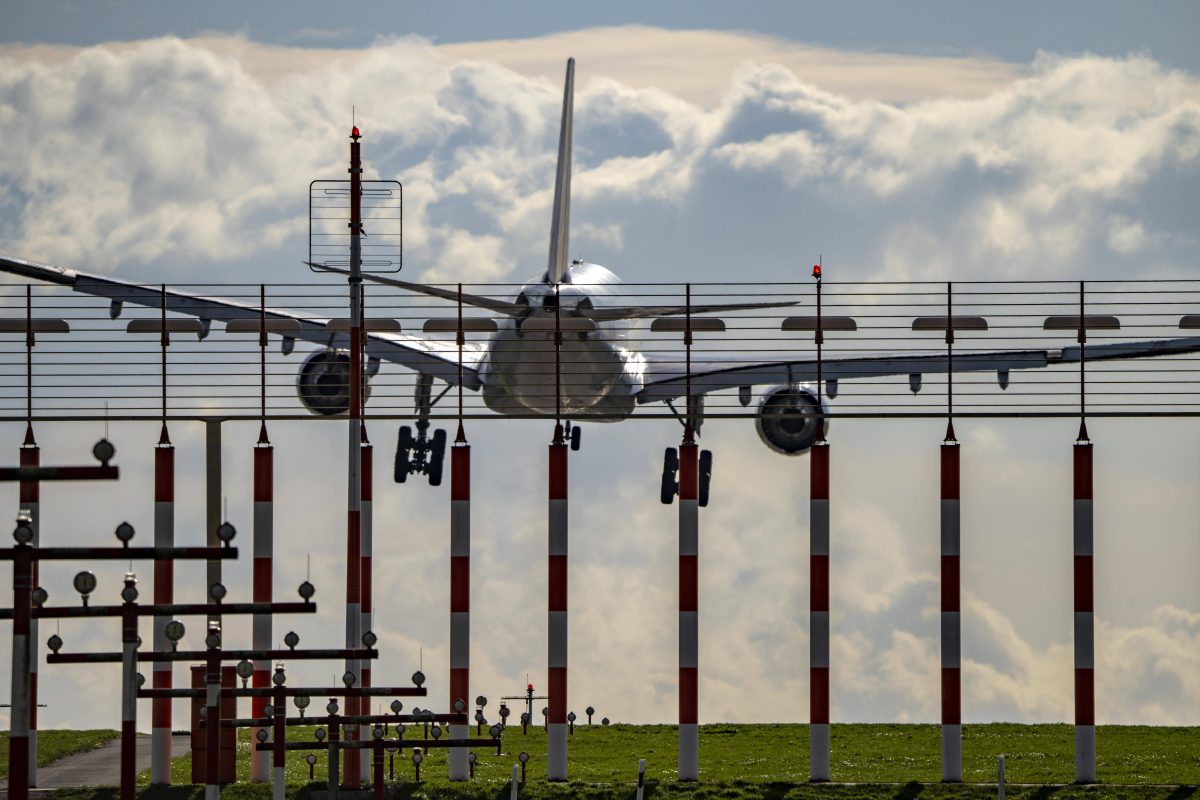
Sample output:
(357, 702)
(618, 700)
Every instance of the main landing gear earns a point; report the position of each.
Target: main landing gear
(422, 454)
(670, 476)
(574, 434)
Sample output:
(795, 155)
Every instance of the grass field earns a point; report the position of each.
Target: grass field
(53, 745)
(899, 762)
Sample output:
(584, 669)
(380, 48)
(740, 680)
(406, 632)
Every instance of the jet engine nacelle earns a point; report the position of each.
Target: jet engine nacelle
(789, 418)
(323, 383)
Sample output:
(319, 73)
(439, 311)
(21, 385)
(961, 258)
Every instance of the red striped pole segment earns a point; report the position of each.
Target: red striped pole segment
(556, 662)
(18, 739)
(164, 592)
(689, 623)
(1085, 682)
(951, 625)
(460, 599)
(366, 476)
(263, 586)
(29, 495)
(818, 612)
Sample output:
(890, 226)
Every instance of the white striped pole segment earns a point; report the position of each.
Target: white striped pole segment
(460, 600)
(29, 495)
(1085, 682)
(556, 662)
(950, 617)
(164, 592)
(689, 622)
(818, 612)
(263, 588)
(366, 478)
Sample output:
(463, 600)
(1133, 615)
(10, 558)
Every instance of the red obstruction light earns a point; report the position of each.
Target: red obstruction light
(816, 271)
(354, 134)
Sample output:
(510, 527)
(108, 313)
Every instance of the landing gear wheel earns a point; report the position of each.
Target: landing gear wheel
(437, 457)
(576, 434)
(706, 462)
(670, 486)
(404, 445)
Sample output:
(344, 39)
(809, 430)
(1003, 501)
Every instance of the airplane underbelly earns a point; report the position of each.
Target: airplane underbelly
(592, 376)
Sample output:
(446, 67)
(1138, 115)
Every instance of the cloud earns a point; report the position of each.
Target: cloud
(189, 160)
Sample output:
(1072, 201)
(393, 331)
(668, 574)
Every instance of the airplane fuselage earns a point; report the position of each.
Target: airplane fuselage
(593, 373)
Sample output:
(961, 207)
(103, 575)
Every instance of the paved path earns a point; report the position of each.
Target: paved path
(99, 767)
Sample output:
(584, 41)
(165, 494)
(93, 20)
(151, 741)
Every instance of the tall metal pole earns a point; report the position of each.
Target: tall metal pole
(18, 739)
(689, 523)
(556, 657)
(818, 578)
(129, 645)
(951, 625)
(366, 459)
(1085, 626)
(164, 576)
(212, 500)
(279, 736)
(460, 573)
(264, 547)
(212, 714)
(30, 457)
(354, 446)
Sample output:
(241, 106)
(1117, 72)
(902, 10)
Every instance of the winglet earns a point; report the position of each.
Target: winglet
(561, 222)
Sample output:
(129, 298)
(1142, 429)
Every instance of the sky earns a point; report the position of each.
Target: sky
(938, 141)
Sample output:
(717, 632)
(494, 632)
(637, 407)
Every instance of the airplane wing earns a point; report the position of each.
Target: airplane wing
(429, 357)
(668, 380)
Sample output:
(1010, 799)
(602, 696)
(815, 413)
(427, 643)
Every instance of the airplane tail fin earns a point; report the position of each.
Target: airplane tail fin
(561, 223)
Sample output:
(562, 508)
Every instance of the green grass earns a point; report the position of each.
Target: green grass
(53, 745)
(898, 762)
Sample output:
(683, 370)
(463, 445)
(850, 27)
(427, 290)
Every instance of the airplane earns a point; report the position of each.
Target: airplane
(607, 378)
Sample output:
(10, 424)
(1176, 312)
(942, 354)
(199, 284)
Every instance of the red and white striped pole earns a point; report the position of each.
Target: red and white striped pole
(354, 456)
(689, 617)
(1085, 625)
(556, 662)
(18, 741)
(263, 587)
(164, 592)
(129, 646)
(818, 612)
(279, 737)
(366, 456)
(460, 596)
(460, 573)
(950, 619)
(818, 576)
(689, 552)
(1085, 682)
(30, 496)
